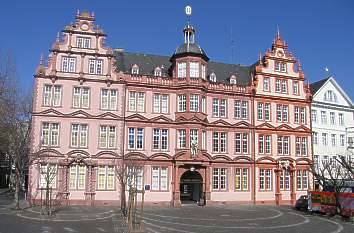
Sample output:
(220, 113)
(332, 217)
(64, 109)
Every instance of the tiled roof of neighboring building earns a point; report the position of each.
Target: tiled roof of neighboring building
(147, 64)
(317, 85)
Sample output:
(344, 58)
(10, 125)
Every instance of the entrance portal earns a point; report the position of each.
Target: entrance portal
(191, 187)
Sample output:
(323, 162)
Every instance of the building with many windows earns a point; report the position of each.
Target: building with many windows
(196, 128)
(332, 121)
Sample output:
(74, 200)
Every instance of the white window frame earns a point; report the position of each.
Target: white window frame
(181, 69)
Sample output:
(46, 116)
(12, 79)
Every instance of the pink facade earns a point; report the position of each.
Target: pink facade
(197, 128)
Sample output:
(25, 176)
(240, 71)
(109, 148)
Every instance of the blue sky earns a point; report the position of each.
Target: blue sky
(320, 33)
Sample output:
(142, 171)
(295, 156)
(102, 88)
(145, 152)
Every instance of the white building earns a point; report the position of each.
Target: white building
(332, 121)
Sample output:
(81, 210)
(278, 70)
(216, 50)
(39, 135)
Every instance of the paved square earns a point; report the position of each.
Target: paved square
(163, 219)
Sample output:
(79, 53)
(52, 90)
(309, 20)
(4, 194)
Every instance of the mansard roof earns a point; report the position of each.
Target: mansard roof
(148, 62)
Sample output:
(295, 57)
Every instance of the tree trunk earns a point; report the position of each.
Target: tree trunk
(17, 190)
(123, 199)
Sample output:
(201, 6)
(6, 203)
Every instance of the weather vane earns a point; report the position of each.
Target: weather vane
(188, 10)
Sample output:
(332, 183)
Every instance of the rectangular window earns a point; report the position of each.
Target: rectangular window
(332, 118)
(277, 85)
(301, 146)
(301, 179)
(181, 141)
(204, 140)
(244, 109)
(159, 178)
(136, 101)
(219, 178)
(295, 87)
(95, 66)
(50, 134)
(237, 108)
(160, 103)
(204, 105)
(52, 95)
(297, 114)
(323, 117)
(194, 103)
(315, 138)
(81, 97)
(182, 70)
(135, 138)
(106, 177)
(135, 177)
(285, 180)
(156, 103)
(241, 179)
(324, 139)
(264, 144)
(314, 115)
(283, 145)
(263, 111)
(83, 42)
(194, 69)
(241, 143)
(69, 64)
(266, 84)
(222, 112)
(108, 136)
(182, 105)
(260, 111)
(48, 175)
(333, 140)
(203, 72)
(219, 107)
(160, 139)
(77, 177)
(341, 119)
(265, 179)
(342, 140)
(284, 86)
(219, 142)
(282, 113)
(79, 134)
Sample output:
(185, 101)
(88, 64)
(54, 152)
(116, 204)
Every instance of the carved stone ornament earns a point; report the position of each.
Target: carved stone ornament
(194, 148)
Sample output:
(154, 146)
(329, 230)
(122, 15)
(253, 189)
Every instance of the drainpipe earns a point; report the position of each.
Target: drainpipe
(253, 147)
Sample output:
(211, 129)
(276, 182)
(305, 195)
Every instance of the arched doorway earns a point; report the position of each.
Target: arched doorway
(191, 187)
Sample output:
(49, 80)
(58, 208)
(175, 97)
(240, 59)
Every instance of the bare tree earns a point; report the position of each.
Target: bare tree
(346, 164)
(15, 123)
(48, 173)
(127, 172)
(331, 174)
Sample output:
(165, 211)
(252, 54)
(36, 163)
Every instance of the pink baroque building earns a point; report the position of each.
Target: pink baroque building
(197, 128)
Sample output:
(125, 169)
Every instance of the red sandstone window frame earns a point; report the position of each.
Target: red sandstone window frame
(51, 104)
(106, 178)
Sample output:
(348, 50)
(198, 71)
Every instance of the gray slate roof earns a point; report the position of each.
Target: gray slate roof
(317, 85)
(147, 64)
(191, 48)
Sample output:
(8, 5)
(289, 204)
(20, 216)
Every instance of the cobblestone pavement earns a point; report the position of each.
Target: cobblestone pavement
(158, 219)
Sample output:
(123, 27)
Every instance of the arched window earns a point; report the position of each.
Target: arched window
(212, 77)
(157, 72)
(135, 69)
(330, 96)
(233, 79)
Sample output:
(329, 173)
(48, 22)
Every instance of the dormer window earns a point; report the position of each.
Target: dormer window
(194, 69)
(135, 69)
(157, 72)
(212, 77)
(330, 96)
(181, 69)
(233, 80)
(83, 42)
